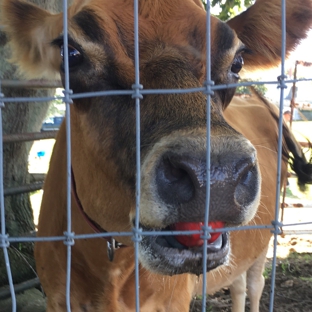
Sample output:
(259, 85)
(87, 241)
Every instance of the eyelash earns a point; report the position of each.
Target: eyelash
(75, 56)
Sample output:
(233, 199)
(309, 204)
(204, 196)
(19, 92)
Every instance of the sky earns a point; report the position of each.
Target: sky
(304, 50)
(302, 53)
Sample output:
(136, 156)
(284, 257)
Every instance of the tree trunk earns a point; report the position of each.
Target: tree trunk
(20, 118)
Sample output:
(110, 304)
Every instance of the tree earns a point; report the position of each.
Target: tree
(20, 118)
(261, 88)
(229, 8)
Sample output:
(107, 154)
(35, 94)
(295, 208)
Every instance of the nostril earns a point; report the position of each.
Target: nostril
(246, 182)
(242, 169)
(174, 181)
(173, 173)
(246, 176)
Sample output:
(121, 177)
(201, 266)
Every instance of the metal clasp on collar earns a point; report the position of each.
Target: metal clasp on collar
(111, 249)
(112, 245)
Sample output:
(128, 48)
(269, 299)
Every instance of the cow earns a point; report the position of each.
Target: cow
(172, 49)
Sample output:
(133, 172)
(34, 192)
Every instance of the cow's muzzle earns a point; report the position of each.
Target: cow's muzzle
(181, 184)
(174, 180)
(164, 254)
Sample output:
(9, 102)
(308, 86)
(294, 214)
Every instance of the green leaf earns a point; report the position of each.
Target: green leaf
(229, 8)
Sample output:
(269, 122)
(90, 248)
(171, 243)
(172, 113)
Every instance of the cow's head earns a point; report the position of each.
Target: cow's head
(173, 126)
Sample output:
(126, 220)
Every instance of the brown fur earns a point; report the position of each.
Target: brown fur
(172, 55)
(250, 256)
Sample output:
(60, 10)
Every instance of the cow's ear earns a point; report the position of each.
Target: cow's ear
(259, 28)
(199, 3)
(30, 31)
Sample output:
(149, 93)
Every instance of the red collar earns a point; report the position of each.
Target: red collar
(112, 244)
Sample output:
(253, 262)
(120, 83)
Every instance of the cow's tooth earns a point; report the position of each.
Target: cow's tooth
(217, 244)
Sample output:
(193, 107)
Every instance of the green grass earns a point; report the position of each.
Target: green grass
(306, 257)
(267, 272)
(306, 279)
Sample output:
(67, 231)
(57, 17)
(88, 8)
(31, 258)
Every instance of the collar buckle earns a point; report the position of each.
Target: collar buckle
(112, 245)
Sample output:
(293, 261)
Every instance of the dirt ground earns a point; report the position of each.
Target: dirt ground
(293, 283)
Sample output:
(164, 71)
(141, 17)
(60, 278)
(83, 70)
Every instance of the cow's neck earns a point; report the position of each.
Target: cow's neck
(112, 244)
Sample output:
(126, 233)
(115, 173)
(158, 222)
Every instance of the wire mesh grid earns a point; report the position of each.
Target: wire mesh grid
(137, 93)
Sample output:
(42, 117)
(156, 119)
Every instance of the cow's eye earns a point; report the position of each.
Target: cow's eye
(237, 65)
(74, 56)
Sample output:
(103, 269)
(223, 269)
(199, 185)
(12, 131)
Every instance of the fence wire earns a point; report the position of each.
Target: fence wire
(137, 93)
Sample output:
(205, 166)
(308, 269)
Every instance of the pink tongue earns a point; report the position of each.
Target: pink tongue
(194, 239)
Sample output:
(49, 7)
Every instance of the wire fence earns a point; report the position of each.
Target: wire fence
(137, 94)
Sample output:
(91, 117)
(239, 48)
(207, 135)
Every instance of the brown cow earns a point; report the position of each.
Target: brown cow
(173, 144)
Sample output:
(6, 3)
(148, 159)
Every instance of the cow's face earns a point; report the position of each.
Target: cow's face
(173, 126)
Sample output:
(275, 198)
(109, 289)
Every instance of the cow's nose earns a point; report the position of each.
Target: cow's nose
(244, 177)
(181, 183)
(178, 178)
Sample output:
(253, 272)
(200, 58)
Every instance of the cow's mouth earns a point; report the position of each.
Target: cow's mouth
(164, 254)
